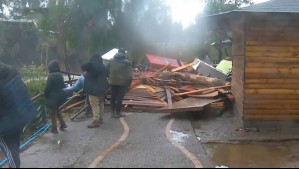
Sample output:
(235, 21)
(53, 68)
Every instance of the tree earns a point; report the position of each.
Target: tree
(220, 6)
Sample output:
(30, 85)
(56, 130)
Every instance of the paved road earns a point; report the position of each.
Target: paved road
(146, 145)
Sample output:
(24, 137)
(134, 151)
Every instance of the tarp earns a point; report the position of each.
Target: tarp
(110, 55)
(161, 61)
(225, 67)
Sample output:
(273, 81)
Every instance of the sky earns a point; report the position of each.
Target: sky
(185, 11)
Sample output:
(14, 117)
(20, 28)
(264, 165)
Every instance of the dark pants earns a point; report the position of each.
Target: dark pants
(117, 96)
(56, 114)
(11, 146)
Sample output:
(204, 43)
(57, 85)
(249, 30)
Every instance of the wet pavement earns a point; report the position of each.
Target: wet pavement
(146, 146)
(264, 155)
(75, 148)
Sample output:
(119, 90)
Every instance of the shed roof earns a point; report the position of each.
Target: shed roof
(291, 6)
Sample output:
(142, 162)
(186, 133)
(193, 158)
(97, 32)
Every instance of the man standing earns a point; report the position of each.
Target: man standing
(120, 78)
(55, 96)
(96, 86)
(16, 111)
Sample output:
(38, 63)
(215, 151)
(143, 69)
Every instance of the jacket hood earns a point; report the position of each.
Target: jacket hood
(120, 56)
(54, 66)
(97, 58)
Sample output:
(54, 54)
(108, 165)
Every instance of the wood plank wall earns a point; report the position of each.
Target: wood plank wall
(272, 69)
(238, 52)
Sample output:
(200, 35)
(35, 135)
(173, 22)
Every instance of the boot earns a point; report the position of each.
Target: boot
(113, 113)
(94, 124)
(101, 121)
(63, 126)
(119, 115)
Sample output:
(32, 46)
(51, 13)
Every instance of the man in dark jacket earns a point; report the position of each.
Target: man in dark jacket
(16, 111)
(96, 86)
(120, 78)
(55, 96)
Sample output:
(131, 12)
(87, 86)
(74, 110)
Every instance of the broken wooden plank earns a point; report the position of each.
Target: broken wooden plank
(202, 90)
(169, 98)
(74, 105)
(37, 97)
(188, 105)
(164, 68)
(210, 91)
(185, 66)
(209, 95)
(77, 114)
(217, 105)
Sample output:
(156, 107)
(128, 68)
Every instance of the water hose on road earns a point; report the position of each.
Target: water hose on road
(41, 131)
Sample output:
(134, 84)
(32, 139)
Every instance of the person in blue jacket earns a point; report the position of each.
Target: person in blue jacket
(79, 85)
(16, 111)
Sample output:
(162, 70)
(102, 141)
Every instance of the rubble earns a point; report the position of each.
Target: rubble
(171, 90)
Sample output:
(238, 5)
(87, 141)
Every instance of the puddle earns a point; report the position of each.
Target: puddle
(253, 155)
(178, 136)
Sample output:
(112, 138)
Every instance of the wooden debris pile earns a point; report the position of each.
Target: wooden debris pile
(172, 91)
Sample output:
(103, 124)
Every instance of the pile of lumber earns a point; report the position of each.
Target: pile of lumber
(170, 90)
(175, 90)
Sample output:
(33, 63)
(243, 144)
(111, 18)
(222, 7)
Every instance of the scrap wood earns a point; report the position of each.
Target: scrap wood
(230, 97)
(210, 91)
(188, 105)
(154, 89)
(37, 97)
(185, 66)
(217, 104)
(169, 98)
(70, 73)
(189, 88)
(77, 114)
(164, 68)
(153, 103)
(209, 95)
(228, 94)
(202, 90)
(73, 105)
(173, 88)
(76, 96)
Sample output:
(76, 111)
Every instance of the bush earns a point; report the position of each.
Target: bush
(35, 78)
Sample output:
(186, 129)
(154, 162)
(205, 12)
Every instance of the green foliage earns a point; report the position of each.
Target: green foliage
(220, 6)
(35, 78)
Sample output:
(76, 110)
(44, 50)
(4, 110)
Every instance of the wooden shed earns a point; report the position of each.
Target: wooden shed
(265, 52)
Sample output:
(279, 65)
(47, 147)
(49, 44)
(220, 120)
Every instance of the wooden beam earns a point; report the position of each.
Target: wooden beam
(169, 98)
(202, 90)
(73, 105)
(185, 66)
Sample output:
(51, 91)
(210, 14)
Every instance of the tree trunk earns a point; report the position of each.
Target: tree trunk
(196, 79)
